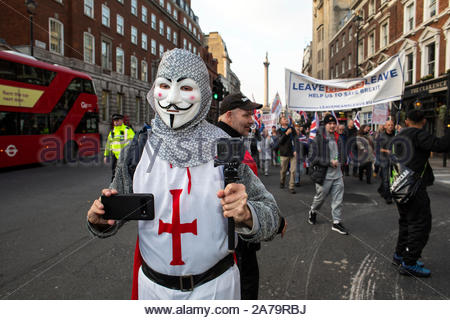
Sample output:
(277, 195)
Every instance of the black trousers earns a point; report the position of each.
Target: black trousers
(248, 268)
(383, 189)
(367, 166)
(414, 227)
(113, 166)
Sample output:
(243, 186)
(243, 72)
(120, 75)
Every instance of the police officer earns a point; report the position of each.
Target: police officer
(118, 138)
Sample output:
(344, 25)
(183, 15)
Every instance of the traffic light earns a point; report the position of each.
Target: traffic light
(218, 90)
(417, 104)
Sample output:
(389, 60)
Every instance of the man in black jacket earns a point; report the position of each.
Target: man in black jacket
(350, 133)
(383, 147)
(236, 119)
(326, 155)
(286, 146)
(413, 146)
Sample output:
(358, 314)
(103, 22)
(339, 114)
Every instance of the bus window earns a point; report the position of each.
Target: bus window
(88, 86)
(88, 124)
(24, 73)
(8, 123)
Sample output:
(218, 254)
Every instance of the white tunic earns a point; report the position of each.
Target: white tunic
(189, 232)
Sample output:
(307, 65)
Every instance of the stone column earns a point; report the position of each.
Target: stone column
(266, 84)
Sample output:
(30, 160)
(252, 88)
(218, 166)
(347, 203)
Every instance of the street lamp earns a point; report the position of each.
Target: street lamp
(358, 20)
(31, 8)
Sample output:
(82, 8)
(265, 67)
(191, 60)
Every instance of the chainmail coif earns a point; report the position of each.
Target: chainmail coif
(193, 143)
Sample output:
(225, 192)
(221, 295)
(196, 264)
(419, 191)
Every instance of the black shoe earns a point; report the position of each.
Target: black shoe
(297, 184)
(312, 216)
(281, 186)
(338, 227)
(398, 260)
(292, 191)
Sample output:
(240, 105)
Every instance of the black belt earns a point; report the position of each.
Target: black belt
(188, 282)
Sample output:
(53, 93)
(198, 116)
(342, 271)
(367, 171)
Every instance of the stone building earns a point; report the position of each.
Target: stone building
(218, 49)
(119, 43)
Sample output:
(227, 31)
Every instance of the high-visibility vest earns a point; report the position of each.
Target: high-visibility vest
(118, 138)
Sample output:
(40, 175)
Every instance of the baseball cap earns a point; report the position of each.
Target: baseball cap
(329, 118)
(238, 100)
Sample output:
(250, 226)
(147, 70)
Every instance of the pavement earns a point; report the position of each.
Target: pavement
(47, 253)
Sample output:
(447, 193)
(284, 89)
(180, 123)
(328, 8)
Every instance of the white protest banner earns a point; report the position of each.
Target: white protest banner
(380, 113)
(269, 120)
(383, 84)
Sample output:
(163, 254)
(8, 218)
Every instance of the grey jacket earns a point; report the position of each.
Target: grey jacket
(260, 201)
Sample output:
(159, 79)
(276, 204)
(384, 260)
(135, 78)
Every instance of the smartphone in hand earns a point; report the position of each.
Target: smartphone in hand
(136, 206)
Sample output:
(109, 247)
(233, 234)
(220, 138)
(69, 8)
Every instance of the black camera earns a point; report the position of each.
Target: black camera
(230, 153)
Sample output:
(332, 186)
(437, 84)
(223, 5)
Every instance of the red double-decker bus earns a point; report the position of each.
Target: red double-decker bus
(47, 112)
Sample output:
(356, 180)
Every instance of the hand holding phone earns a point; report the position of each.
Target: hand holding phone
(136, 206)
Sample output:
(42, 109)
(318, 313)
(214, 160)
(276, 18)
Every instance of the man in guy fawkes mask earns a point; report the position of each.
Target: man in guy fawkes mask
(182, 253)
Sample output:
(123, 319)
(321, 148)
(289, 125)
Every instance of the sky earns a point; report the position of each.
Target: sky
(250, 28)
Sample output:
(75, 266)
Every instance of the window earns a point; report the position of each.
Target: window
(144, 14)
(175, 14)
(195, 31)
(120, 61)
(372, 44)
(105, 15)
(184, 44)
(409, 70)
(343, 66)
(350, 34)
(174, 38)
(195, 50)
(384, 41)
(134, 8)
(24, 73)
(331, 73)
(161, 3)
(56, 36)
(120, 26)
(337, 45)
(360, 51)
(430, 51)
(133, 67)
(89, 8)
(185, 21)
(105, 106)
(121, 1)
(153, 22)
(106, 54)
(134, 35)
(161, 27)
(153, 47)
(336, 71)
(120, 102)
(343, 40)
(332, 50)
(169, 7)
(169, 33)
(409, 15)
(320, 34)
(138, 103)
(371, 7)
(89, 45)
(144, 71)
(190, 27)
(349, 61)
(161, 50)
(190, 46)
(144, 41)
(429, 9)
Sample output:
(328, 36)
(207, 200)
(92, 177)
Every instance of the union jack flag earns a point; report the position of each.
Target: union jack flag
(356, 121)
(257, 118)
(313, 128)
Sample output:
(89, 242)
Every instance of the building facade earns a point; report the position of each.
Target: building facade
(218, 49)
(306, 60)
(378, 29)
(326, 17)
(118, 42)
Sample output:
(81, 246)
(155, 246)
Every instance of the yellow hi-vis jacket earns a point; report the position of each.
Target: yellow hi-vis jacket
(118, 138)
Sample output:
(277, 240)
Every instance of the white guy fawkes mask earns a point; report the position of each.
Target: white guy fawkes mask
(177, 101)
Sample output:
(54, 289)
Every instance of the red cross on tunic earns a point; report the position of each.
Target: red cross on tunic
(176, 228)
